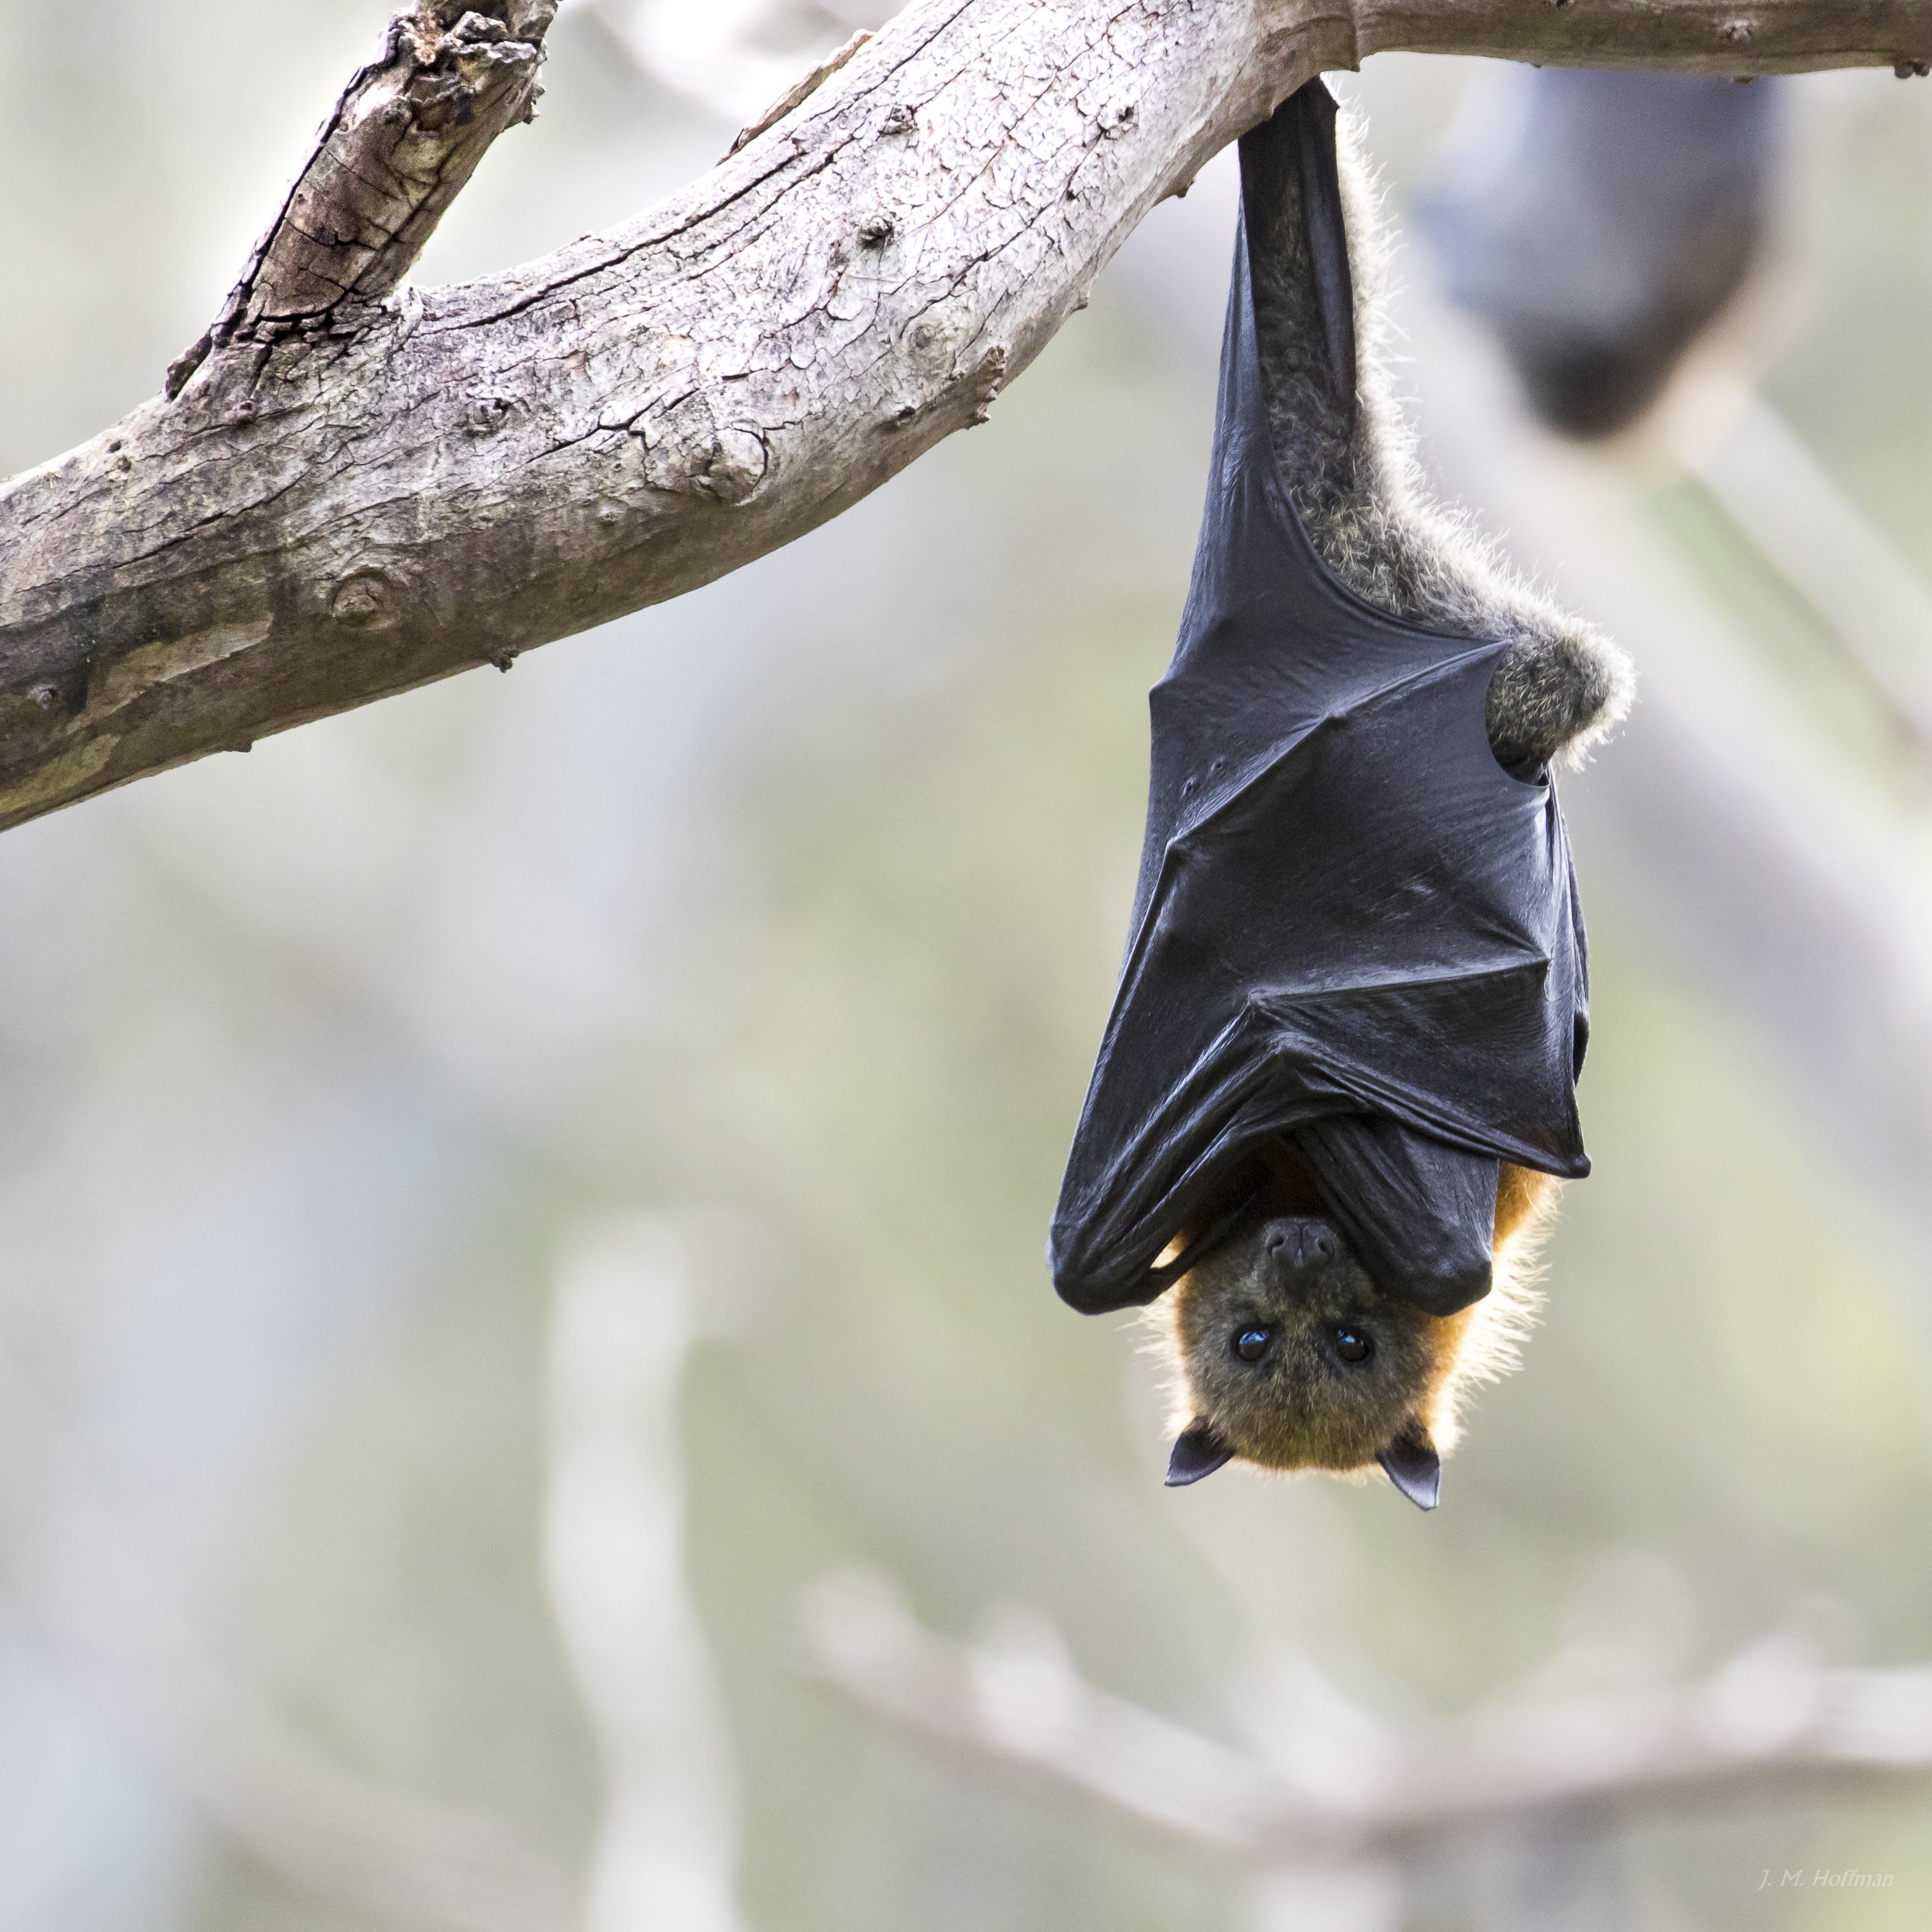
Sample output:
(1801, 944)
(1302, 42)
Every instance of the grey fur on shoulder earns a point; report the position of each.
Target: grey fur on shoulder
(1350, 463)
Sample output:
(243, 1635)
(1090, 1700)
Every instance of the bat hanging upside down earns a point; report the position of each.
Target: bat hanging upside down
(1287, 1353)
(1337, 1093)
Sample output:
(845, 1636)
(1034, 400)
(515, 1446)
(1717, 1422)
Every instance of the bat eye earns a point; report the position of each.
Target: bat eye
(1251, 1343)
(1353, 1346)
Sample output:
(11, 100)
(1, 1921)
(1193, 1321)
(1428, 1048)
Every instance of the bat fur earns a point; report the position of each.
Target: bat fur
(1350, 463)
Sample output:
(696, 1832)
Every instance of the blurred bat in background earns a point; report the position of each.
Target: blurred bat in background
(1598, 223)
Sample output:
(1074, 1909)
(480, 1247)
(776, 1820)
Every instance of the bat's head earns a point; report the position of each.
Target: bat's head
(1294, 1358)
(1289, 1355)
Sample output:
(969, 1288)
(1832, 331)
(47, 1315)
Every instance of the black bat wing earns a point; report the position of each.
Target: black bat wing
(1352, 927)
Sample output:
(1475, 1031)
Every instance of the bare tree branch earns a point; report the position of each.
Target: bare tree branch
(1771, 1724)
(625, 1321)
(1808, 528)
(395, 492)
(799, 92)
(403, 140)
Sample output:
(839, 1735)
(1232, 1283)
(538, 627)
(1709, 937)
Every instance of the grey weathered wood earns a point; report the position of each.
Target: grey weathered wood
(356, 491)
(399, 147)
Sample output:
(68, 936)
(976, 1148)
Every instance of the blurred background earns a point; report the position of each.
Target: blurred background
(502, 1192)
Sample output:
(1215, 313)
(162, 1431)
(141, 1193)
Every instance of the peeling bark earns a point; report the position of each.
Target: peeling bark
(355, 490)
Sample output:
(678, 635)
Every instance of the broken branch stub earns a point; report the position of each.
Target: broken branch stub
(402, 143)
(799, 93)
(352, 492)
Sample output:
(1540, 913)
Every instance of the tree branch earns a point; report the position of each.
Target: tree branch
(404, 139)
(625, 1320)
(1771, 1725)
(350, 496)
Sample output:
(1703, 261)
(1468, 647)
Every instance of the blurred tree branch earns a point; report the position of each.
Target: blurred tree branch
(352, 493)
(625, 1316)
(1772, 1724)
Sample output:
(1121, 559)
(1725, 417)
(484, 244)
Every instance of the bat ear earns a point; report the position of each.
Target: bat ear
(1413, 1464)
(1198, 1452)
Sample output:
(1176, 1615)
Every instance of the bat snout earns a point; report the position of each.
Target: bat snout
(1301, 1244)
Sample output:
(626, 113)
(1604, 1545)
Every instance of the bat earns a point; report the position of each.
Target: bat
(1340, 1065)
(1599, 223)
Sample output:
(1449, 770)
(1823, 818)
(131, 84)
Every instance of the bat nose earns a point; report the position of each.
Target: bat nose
(1301, 1244)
